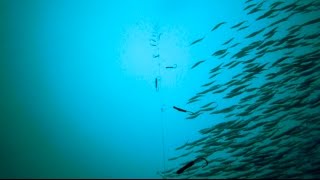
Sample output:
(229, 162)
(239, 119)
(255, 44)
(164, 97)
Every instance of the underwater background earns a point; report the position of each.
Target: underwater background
(159, 89)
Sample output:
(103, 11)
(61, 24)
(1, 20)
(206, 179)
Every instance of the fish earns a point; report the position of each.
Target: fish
(281, 20)
(267, 14)
(212, 88)
(181, 110)
(214, 75)
(157, 83)
(254, 10)
(245, 99)
(194, 115)
(191, 163)
(227, 42)
(239, 24)
(280, 60)
(196, 64)
(171, 67)
(235, 64)
(183, 146)
(219, 91)
(234, 45)
(223, 55)
(267, 43)
(304, 8)
(255, 33)
(314, 21)
(219, 52)
(217, 26)
(156, 56)
(192, 101)
(208, 109)
(249, 6)
(197, 41)
(206, 105)
(242, 28)
(208, 84)
(216, 68)
(225, 110)
(275, 4)
(270, 33)
(289, 6)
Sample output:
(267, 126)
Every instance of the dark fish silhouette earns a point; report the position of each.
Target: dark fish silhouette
(267, 14)
(249, 6)
(255, 33)
(218, 25)
(219, 52)
(254, 10)
(194, 115)
(244, 27)
(197, 41)
(282, 20)
(197, 63)
(171, 67)
(227, 42)
(275, 4)
(156, 81)
(237, 25)
(181, 110)
(208, 84)
(191, 164)
(270, 33)
(234, 45)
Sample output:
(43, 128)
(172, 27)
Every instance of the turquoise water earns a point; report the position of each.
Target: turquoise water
(88, 89)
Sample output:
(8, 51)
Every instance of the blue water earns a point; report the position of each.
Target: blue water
(78, 94)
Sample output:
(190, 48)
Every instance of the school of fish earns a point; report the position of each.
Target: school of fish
(271, 123)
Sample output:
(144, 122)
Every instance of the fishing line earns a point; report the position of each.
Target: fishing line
(156, 56)
(162, 120)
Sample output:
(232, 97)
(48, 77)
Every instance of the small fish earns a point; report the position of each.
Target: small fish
(171, 67)
(207, 84)
(196, 64)
(249, 6)
(156, 56)
(275, 4)
(267, 14)
(254, 10)
(314, 21)
(216, 68)
(157, 79)
(182, 110)
(214, 75)
(281, 20)
(204, 106)
(219, 52)
(188, 165)
(193, 116)
(244, 27)
(255, 33)
(224, 55)
(227, 42)
(234, 45)
(197, 41)
(237, 25)
(218, 25)
(270, 33)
